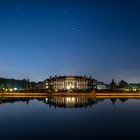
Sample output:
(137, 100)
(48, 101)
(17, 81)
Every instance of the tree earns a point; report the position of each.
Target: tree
(123, 84)
(113, 85)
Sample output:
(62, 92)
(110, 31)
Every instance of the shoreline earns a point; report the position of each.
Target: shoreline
(87, 95)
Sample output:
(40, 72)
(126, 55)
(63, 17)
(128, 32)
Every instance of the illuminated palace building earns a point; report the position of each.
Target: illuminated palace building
(70, 83)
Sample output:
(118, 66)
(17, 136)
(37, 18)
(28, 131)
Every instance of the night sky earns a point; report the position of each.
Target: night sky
(40, 38)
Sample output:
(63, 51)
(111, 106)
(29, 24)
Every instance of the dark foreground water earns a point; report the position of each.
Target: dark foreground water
(69, 118)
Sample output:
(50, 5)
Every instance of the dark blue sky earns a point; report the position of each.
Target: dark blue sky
(40, 38)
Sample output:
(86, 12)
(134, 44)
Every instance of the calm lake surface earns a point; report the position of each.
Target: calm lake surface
(69, 118)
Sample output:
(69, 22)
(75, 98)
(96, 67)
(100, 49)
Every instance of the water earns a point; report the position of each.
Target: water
(69, 118)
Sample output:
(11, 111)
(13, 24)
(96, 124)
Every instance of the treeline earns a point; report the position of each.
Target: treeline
(121, 86)
(24, 85)
(11, 84)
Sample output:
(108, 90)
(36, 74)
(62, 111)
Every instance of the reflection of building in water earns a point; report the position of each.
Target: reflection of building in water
(70, 102)
(70, 82)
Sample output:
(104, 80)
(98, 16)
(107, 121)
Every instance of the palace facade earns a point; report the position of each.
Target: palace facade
(70, 83)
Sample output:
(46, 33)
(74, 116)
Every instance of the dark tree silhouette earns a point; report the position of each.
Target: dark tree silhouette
(113, 85)
(123, 84)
